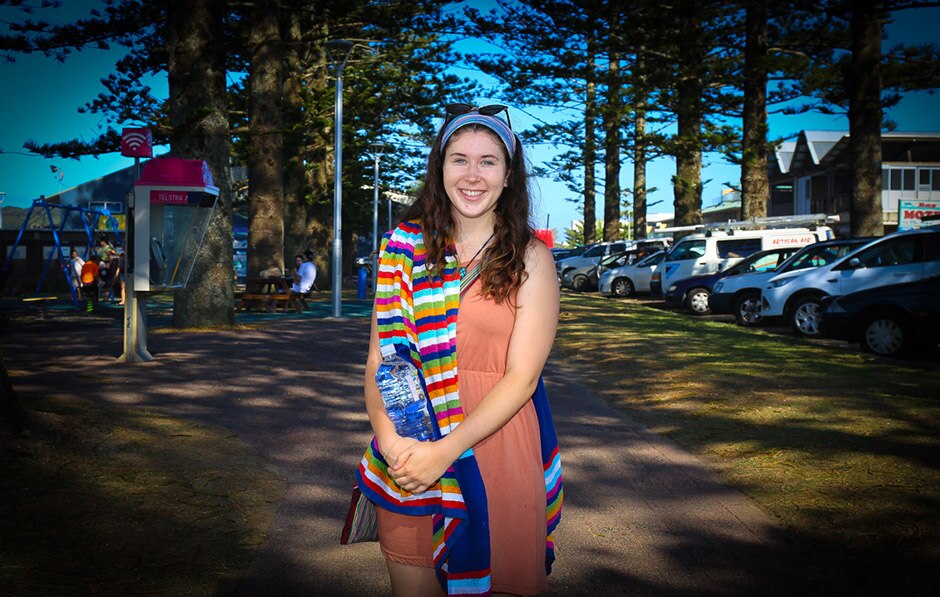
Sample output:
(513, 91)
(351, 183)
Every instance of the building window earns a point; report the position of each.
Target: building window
(899, 179)
(895, 184)
(908, 182)
(935, 179)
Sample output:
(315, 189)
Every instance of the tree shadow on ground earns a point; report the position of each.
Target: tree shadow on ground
(641, 516)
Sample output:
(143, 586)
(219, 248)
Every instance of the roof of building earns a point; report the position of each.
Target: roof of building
(110, 187)
(814, 150)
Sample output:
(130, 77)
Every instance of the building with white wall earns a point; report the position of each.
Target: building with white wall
(811, 174)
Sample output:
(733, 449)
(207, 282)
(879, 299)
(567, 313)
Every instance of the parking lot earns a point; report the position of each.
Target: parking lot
(839, 446)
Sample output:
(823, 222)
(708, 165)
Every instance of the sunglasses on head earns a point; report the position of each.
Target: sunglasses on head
(457, 109)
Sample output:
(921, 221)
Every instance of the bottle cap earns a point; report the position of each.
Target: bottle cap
(388, 350)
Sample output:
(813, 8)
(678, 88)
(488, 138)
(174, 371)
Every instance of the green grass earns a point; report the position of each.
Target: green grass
(841, 448)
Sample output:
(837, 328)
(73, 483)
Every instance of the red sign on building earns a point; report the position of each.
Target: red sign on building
(136, 143)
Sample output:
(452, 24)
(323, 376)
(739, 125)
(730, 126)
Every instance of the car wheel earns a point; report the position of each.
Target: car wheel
(579, 283)
(697, 301)
(884, 333)
(747, 309)
(805, 316)
(622, 287)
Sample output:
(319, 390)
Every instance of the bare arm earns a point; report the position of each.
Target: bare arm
(422, 464)
(382, 426)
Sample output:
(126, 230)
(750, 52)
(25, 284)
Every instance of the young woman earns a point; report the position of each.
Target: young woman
(474, 510)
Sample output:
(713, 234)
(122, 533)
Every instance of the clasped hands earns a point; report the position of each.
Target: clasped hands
(416, 466)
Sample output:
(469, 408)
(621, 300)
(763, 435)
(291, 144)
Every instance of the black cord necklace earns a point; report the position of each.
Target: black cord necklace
(462, 270)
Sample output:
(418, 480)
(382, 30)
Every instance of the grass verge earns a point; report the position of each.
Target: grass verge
(129, 501)
(842, 448)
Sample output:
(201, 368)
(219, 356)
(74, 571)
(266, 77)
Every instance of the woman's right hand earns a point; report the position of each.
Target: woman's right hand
(395, 449)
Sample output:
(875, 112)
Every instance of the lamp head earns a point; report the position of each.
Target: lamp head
(338, 51)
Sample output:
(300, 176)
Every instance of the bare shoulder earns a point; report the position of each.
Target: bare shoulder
(541, 281)
(538, 257)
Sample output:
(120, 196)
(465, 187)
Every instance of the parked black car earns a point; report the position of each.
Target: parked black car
(888, 320)
(695, 292)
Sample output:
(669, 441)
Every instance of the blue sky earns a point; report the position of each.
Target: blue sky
(39, 99)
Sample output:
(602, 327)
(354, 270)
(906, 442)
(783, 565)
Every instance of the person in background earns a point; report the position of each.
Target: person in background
(106, 253)
(298, 261)
(90, 276)
(75, 272)
(117, 275)
(306, 273)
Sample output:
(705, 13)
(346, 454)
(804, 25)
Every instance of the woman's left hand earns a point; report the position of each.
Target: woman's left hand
(420, 466)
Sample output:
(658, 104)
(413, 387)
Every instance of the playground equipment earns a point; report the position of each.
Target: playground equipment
(88, 219)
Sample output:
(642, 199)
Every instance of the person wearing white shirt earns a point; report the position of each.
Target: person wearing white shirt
(77, 263)
(306, 274)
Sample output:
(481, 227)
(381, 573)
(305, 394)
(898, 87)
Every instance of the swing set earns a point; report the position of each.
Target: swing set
(88, 217)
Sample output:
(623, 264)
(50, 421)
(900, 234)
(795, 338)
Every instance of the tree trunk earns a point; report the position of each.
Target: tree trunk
(295, 187)
(319, 176)
(639, 146)
(266, 141)
(612, 118)
(755, 187)
(639, 174)
(590, 149)
(864, 85)
(199, 123)
(687, 183)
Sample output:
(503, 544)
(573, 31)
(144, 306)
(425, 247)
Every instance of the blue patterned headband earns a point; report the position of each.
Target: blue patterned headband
(496, 125)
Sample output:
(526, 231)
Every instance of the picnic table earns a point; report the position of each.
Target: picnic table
(271, 293)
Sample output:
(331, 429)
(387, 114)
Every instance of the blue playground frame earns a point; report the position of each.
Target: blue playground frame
(86, 215)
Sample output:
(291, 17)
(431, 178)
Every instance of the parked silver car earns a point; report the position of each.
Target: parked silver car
(630, 279)
(588, 258)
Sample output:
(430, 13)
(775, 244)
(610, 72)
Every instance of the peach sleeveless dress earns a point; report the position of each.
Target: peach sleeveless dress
(509, 461)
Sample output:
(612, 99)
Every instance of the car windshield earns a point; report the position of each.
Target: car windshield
(652, 259)
(595, 251)
(687, 249)
(813, 256)
(614, 259)
(742, 266)
(576, 251)
(764, 261)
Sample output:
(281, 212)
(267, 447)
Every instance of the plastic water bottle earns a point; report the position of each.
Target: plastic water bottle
(403, 396)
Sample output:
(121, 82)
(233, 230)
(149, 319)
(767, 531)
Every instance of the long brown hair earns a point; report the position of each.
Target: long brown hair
(504, 259)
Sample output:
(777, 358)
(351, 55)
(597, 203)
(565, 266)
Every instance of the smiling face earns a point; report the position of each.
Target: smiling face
(475, 173)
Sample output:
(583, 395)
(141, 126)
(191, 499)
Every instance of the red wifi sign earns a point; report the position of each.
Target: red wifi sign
(136, 143)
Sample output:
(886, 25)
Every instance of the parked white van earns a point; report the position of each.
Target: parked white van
(713, 250)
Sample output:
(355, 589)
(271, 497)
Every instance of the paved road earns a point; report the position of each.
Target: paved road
(642, 516)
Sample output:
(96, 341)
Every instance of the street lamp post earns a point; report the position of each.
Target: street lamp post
(377, 149)
(338, 50)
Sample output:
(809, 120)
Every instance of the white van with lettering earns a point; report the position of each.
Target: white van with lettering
(708, 252)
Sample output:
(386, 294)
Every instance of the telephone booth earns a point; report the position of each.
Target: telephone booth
(173, 203)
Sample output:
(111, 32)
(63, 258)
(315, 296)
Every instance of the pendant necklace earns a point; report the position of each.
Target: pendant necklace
(462, 270)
